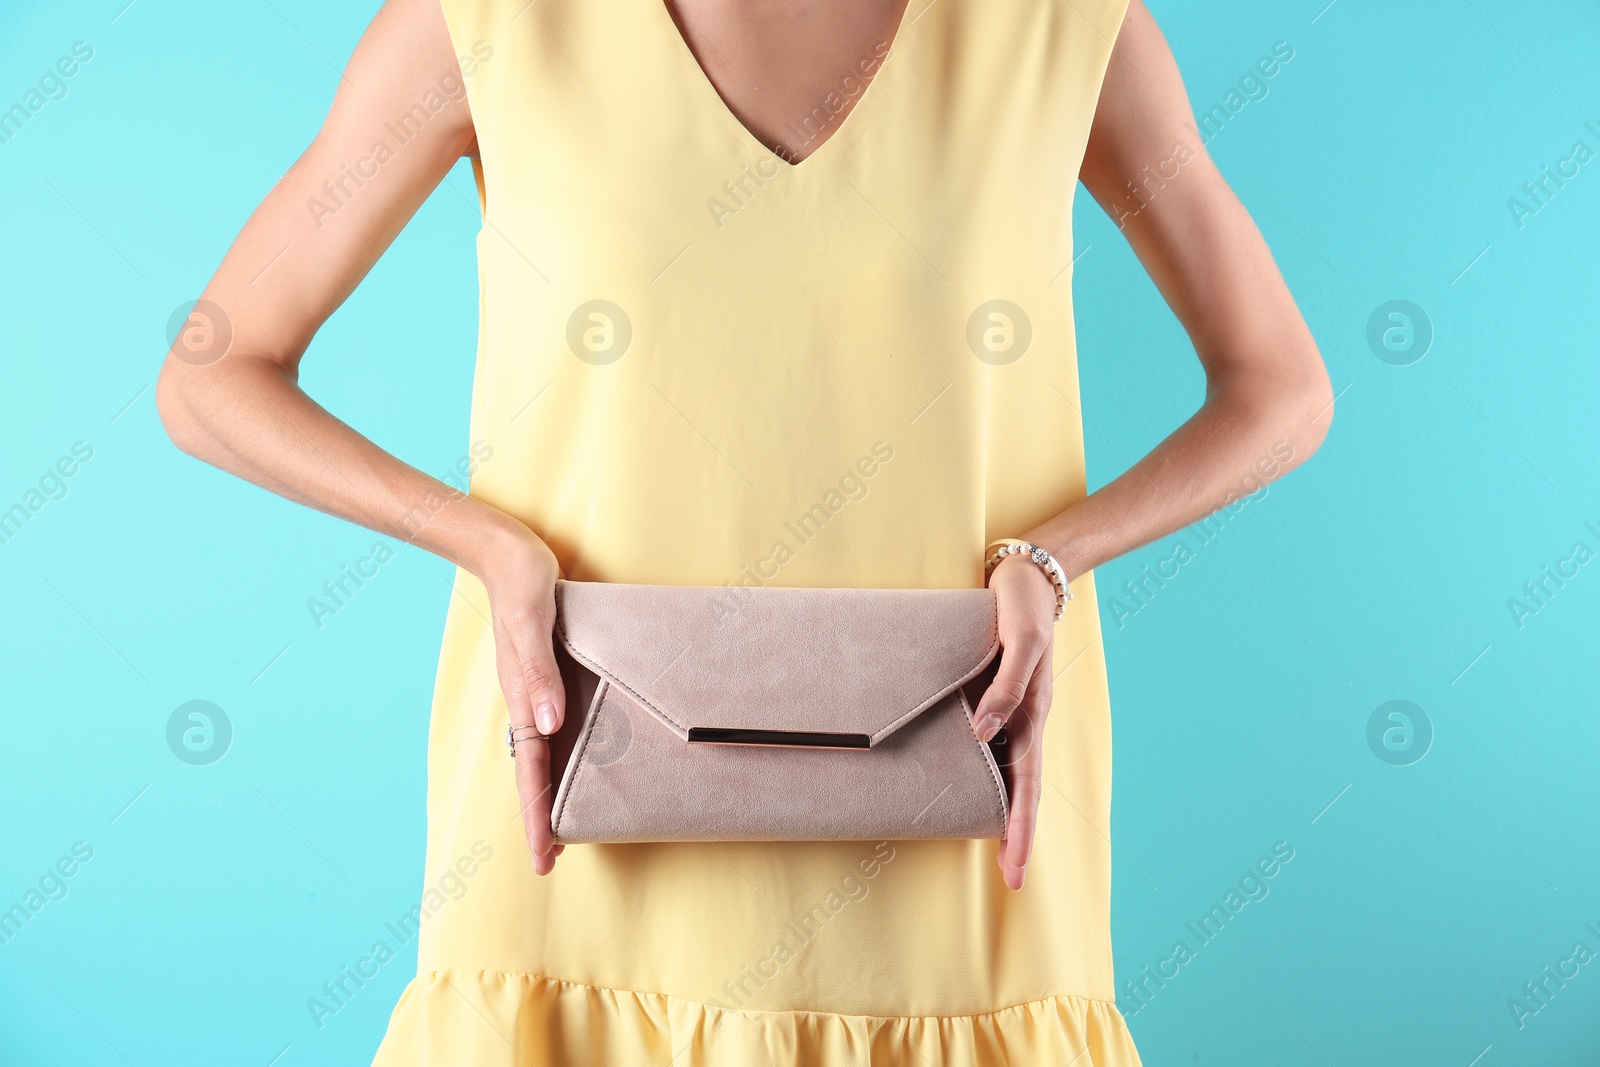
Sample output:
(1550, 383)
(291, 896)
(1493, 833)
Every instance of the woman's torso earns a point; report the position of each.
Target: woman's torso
(699, 364)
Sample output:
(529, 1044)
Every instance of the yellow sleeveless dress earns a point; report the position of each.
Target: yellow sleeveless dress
(700, 364)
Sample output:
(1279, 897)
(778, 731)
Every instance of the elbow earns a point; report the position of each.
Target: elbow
(1305, 407)
(1288, 408)
(1314, 403)
(176, 406)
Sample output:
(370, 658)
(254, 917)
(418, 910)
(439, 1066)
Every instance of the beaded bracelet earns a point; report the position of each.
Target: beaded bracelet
(1007, 546)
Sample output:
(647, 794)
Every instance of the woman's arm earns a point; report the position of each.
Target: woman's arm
(229, 393)
(1268, 402)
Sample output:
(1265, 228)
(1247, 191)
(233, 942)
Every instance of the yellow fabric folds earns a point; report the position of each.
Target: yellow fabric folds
(519, 1020)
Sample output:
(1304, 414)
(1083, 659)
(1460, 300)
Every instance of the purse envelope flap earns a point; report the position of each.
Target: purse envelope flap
(779, 658)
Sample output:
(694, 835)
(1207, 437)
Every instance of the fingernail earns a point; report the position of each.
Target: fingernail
(988, 726)
(545, 716)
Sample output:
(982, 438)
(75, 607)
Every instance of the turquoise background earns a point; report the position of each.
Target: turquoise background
(1419, 899)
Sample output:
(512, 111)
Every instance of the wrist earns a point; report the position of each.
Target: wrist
(1072, 550)
(1006, 549)
(1020, 568)
(509, 551)
(1067, 557)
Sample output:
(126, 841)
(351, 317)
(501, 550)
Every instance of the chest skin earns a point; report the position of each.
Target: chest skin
(783, 68)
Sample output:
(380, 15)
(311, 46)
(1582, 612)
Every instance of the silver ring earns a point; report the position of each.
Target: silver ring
(523, 733)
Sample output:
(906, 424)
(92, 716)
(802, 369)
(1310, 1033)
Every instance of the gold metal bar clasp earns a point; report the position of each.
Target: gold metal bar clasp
(717, 735)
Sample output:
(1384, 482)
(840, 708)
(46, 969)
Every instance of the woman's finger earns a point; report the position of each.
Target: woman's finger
(1025, 743)
(532, 636)
(1020, 655)
(534, 698)
(535, 794)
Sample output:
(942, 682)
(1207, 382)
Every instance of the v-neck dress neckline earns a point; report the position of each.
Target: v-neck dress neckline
(692, 70)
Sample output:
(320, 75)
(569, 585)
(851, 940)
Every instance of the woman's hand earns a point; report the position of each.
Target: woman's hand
(1019, 698)
(522, 599)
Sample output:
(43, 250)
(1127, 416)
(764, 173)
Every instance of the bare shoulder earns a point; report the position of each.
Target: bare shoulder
(405, 76)
(1143, 107)
(399, 122)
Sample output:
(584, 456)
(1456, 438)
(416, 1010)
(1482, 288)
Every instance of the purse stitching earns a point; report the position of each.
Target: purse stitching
(579, 751)
(608, 676)
(993, 769)
(983, 661)
(984, 753)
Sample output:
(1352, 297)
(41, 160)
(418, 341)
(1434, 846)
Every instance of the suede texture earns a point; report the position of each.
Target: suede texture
(643, 664)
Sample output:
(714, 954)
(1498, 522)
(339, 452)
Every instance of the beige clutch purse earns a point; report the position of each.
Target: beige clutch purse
(773, 714)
